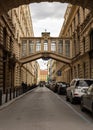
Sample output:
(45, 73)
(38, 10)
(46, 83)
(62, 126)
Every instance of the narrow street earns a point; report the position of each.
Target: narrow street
(42, 109)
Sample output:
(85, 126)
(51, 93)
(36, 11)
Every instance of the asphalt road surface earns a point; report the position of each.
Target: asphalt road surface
(42, 109)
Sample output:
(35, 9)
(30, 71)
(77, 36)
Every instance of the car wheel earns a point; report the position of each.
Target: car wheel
(81, 106)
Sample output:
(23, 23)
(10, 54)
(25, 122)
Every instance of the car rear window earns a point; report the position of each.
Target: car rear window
(84, 83)
(62, 84)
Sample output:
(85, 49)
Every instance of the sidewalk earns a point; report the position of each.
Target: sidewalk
(4, 104)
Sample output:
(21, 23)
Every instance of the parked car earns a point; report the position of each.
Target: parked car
(87, 100)
(62, 88)
(77, 89)
(56, 86)
(41, 83)
(59, 85)
(47, 85)
(52, 86)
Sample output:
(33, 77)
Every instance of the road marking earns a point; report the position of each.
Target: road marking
(79, 114)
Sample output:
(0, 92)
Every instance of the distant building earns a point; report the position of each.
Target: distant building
(43, 75)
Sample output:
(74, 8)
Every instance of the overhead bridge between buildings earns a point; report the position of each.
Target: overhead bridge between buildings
(46, 47)
(45, 56)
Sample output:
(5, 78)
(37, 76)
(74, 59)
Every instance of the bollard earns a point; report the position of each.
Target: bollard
(0, 97)
(6, 99)
(16, 92)
(21, 91)
(13, 93)
(10, 94)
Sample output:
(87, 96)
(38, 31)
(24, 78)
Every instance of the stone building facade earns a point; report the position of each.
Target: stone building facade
(54, 70)
(43, 75)
(21, 18)
(78, 24)
(15, 24)
(7, 56)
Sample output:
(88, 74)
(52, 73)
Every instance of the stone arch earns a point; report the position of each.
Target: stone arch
(6, 5)
(45, 55)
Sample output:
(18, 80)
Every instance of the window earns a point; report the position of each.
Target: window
(67, 45)
(84, 44)
(45, 45)
(24, 47)
(59, 73)
(84, 83)
(78, 44)
(90, 90)
(83, 13)
(38, 45)
(60, 47)
(31, 46)
(75, 71)
(74, 22)
(78, 70)
(74, 48)
(73, 82)
(91, 40)
(4, 36)
(78, 14)
(53, 46)
(10, 44)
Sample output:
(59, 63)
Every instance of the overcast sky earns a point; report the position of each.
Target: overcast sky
(47, 16)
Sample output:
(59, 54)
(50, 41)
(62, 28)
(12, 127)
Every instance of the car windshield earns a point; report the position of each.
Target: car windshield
(84, 83)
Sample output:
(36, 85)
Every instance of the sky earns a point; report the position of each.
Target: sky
(47, 16)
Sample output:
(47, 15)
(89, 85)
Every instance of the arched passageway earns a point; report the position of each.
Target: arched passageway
(6, 5)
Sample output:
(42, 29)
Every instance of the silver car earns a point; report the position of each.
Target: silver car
(77, 89)
(87, 100)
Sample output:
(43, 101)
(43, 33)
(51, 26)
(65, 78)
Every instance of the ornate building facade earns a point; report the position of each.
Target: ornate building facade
(7, 57)
(21, 18)
(15, 24)
(78, 24)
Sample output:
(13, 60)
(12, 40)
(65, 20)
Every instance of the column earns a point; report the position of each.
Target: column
(42, 45)
(49, 45)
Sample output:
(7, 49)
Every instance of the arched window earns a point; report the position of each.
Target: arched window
(38, 45)
(91, 40)
(31, 46)
(45, 45)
